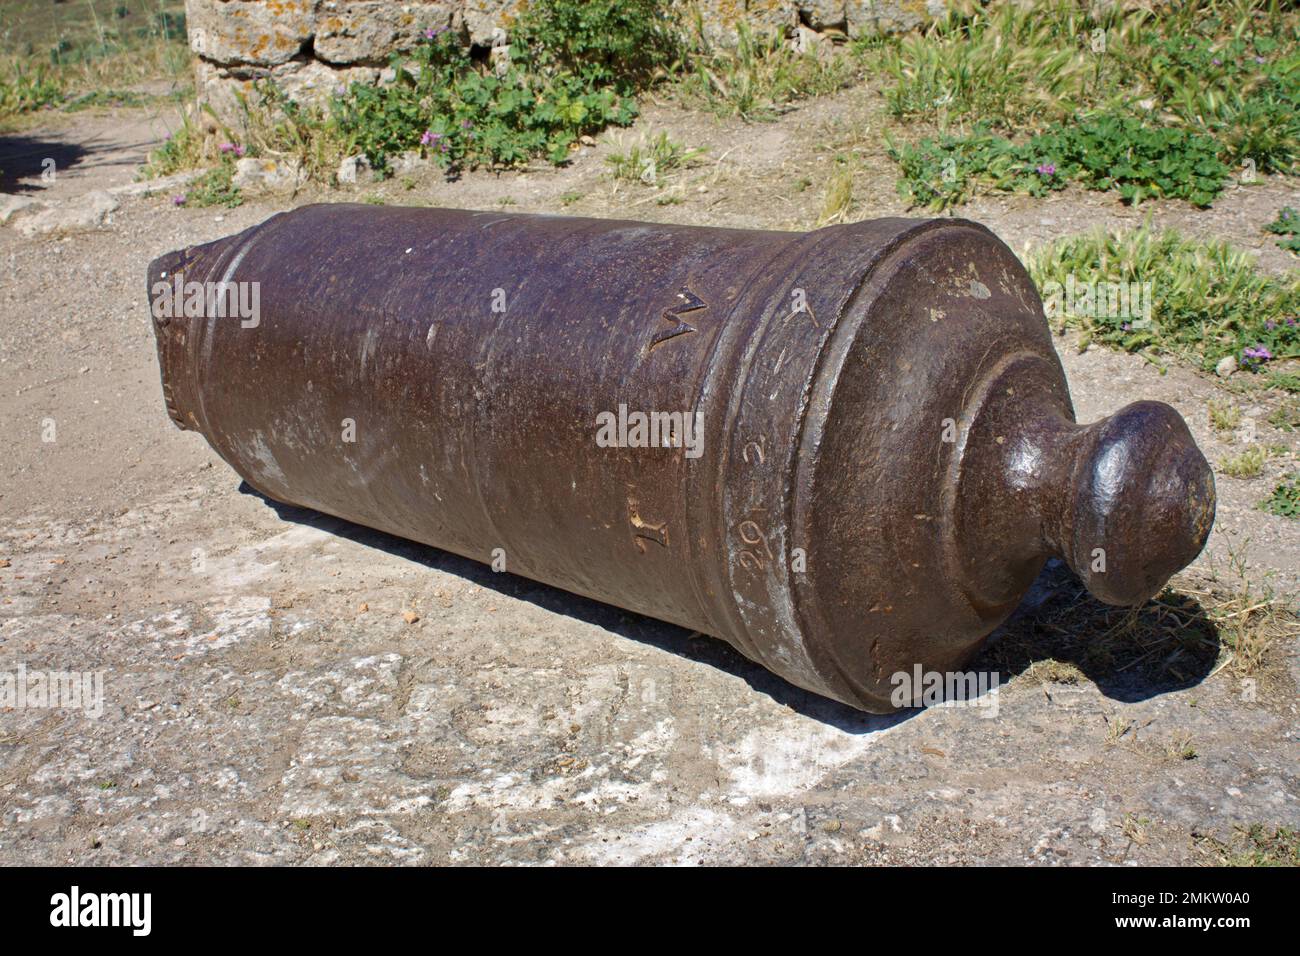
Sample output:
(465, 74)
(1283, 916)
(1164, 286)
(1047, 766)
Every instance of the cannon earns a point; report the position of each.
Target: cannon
(847, 452)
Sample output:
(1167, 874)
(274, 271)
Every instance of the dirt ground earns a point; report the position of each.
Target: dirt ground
(254, 712)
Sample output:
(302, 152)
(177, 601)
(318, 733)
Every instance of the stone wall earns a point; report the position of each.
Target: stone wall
(311, 47)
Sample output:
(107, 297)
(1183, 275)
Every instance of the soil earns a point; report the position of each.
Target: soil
(268, 700)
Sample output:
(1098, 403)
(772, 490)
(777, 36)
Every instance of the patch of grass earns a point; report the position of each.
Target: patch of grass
(1249, 620)
(1052, 671)
(1181, 637)
(1113, 88)
(574, 69)
(215, 188)
(1170, 642)
(1117, 152)
(1179, 747)
(24, 89)
(186, 148)
(299, 134)
(1116, 729)
(1104, 152)
(49, 51)
(87, 30)
(1285, 499)
(838, 197)
(106, 98)
(1013, 65)
(1286, 417)
(649, 158)
(760, 77)
(271, 125)
(1224, 416)
(1254, 845)
(1248, 463)
(1135, 828)
(1229, 71)
(946, 171)
(624, 44)
(1208, 298)
(1286, 381)
(1287, 225)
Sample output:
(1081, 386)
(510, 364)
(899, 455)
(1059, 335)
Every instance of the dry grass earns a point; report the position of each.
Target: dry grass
(1224, 416)
(1117, 728)
(53, 54)
(1135, 828)
(1251, 620)
(1247, 463)
(838, 198)
(1254, 845)
(1183, 637)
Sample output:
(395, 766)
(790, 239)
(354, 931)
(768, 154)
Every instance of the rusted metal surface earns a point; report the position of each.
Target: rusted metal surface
(885, 456)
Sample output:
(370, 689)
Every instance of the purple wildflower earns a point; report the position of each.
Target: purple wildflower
(1217, 62)
(226, 147)
(1047, 169)
(433, 32)
(1255, 354)
(178, 200)
(429, 138)
(1270, 325)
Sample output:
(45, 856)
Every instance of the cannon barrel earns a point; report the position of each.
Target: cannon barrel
(846, 452)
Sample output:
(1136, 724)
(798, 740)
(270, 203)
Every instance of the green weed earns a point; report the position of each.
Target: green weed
(649, 158)
(573, 70)
(760, 77)
(1287, 225)
(1285, 499)
(1248, 463)
(1208, 299)
(1102, 153)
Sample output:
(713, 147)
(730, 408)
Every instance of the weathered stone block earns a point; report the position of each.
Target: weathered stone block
(265, 174)
(304, 80)
(865, 17)
(824, 14)
(721, 18)
(481, 17)
(311, 81)
(262, 32)
(86, 211)
(371, 30)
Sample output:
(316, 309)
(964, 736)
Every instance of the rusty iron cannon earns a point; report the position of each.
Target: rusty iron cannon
(846, 452)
